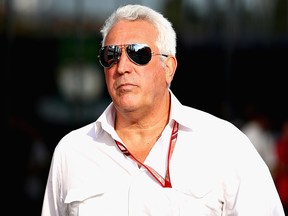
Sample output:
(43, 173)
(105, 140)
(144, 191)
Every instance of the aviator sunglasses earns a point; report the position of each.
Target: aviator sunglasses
(139, 54)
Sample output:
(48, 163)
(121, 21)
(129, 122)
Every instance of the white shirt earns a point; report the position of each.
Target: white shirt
(214, 170)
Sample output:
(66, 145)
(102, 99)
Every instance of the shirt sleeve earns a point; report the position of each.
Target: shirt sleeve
(256, 193)
(53, 204)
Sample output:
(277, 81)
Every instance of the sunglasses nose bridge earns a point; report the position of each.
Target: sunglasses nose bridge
(120, 51)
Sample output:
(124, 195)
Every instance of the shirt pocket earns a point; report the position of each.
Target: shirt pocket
(77, 198)
(198, 190)
(202, 200)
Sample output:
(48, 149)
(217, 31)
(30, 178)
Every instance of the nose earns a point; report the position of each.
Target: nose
(123, 63)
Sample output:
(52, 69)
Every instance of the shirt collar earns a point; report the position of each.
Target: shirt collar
(177, 113)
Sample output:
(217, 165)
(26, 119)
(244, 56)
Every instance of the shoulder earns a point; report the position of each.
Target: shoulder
(197, 119)
(202, 120)
(76, 138)
(212, 132)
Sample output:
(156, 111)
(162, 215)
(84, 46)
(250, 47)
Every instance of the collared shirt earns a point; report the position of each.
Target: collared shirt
(215, 170)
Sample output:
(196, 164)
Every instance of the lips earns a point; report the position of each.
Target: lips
(122, 84)
(125, 86)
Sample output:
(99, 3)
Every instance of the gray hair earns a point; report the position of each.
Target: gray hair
(166, 40)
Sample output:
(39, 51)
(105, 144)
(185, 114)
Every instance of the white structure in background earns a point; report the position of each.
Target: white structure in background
(263, 140)
(69, 8)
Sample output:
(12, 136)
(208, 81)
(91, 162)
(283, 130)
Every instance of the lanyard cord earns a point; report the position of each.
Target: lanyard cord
(165, 182)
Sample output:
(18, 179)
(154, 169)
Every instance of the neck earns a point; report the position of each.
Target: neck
(140, 139)
(140, 134)
(144, 121)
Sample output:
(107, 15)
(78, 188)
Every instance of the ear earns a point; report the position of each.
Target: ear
(170, 68)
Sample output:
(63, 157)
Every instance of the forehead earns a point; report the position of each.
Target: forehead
(126, 32)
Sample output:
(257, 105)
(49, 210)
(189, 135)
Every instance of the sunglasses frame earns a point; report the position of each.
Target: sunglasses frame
(117, 52)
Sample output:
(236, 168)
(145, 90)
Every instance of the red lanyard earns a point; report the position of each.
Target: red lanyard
(165, 182)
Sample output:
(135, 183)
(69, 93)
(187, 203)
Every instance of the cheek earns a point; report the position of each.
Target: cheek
(160, 75)
(155, 80)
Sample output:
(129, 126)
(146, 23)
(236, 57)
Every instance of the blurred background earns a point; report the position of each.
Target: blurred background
(232, 62)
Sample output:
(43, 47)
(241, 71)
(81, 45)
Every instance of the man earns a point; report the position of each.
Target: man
(147, 154)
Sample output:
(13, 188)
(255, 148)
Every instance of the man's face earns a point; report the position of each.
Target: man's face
(133, 86)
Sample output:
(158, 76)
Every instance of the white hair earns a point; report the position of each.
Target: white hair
(166, 40)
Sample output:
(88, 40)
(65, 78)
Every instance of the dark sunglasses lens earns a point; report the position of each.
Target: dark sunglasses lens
(139, 53)
(109, 55)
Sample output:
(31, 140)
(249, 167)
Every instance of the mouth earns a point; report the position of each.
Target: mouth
(123, 85)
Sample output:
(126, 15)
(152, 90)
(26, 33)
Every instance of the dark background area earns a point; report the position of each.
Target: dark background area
(226, 63)
(225, 82)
